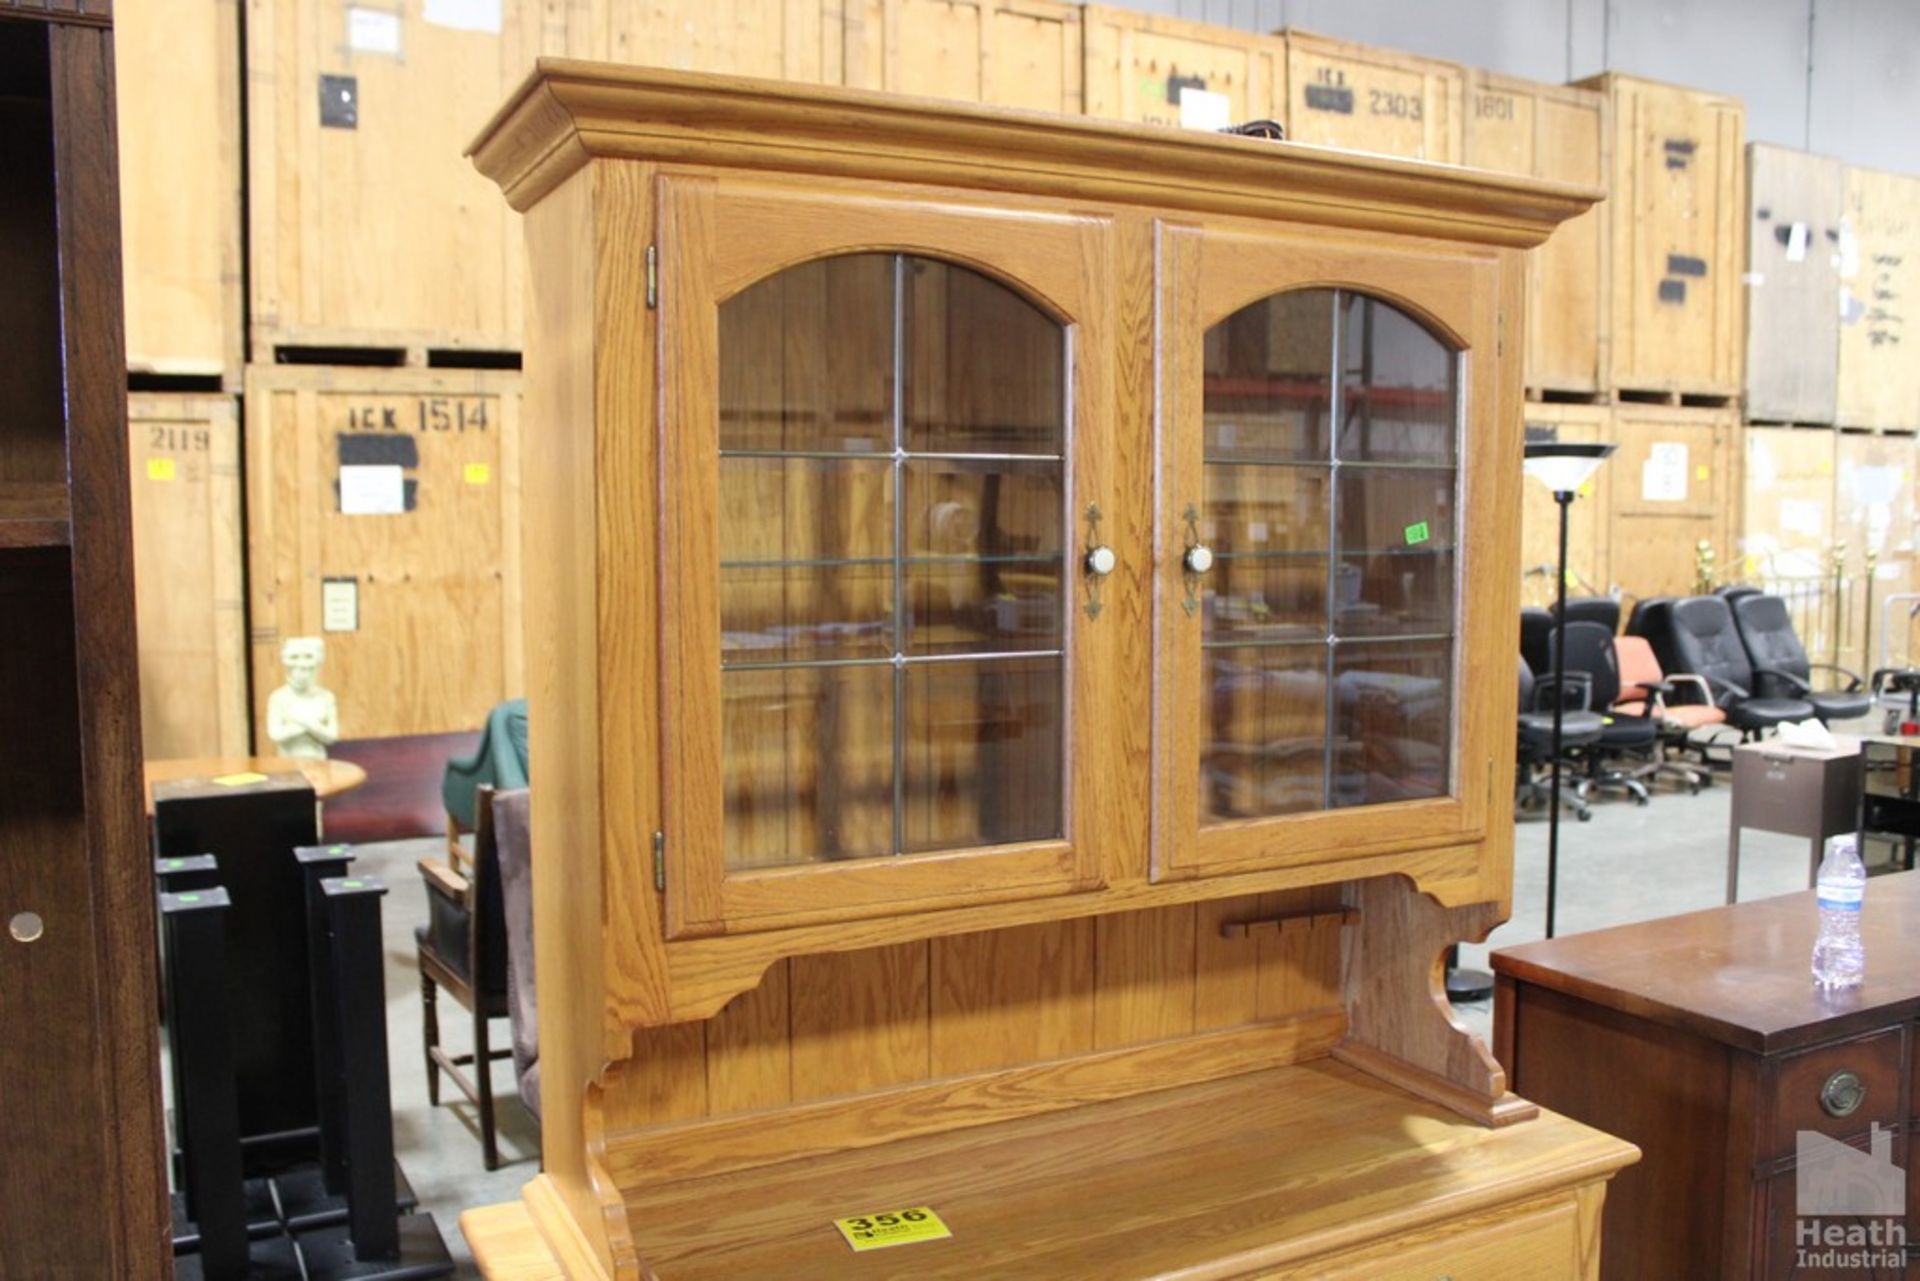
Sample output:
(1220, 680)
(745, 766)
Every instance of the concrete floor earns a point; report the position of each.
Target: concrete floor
(1630, 863)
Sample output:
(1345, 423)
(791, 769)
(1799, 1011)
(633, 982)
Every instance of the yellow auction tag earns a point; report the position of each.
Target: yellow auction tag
(895, 1227)
(478, 473)
(1702, 472)
(240, 780)
(160, 469)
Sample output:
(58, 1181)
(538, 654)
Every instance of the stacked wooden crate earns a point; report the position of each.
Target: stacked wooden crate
(382, 398)
(178, 92)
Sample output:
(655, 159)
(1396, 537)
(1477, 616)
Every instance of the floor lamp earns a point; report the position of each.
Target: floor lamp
(1563, 469)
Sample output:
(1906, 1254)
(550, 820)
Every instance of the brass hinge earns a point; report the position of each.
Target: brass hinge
(660, 861)
(653, 277)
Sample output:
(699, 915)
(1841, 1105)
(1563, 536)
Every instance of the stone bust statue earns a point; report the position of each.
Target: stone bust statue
(303, 719)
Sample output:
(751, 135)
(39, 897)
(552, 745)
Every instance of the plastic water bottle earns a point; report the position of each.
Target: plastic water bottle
(1839, 959)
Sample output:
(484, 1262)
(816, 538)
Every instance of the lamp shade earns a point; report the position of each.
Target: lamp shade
(1563, 468)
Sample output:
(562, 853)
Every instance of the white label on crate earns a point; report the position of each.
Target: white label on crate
(1663, 477)
(339, 604)
(1804, 516)
(1851, 308)
(372, 491)
(1201, 109)
(1755, 278)
(373, 31)
(1873, 485)
(464, 15)
(1849, 251)
(1797, 242)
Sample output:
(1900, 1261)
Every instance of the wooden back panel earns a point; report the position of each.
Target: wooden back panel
(1678, 213)
(1566, 134)
(1587, 521)
(828, 1029)
(1363, 98)
(188, 574)
(437, 641)
(1879, 272)
(1796, 202)
(1137, 64)
(1664, 514)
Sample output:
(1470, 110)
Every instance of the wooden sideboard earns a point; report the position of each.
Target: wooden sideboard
(1023, 626)
(1702, 1039)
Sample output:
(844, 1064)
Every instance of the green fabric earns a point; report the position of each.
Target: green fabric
(500, 759)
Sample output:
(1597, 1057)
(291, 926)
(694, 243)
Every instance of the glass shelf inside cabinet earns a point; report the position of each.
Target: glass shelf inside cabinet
(1330, 614)
(893, 538)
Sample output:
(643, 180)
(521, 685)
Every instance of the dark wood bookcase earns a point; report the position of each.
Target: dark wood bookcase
(82, 1178)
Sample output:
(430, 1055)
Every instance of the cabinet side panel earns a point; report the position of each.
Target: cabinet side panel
(564, 699)
(1663, 1214)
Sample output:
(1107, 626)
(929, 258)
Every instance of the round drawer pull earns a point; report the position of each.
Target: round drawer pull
(26, 927)
(1843, 1094)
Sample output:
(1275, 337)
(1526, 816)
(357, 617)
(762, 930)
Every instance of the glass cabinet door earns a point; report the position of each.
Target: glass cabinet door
(876, 432)
(1314, 620)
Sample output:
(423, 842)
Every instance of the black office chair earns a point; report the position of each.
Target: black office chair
(1535, 626)
(1604, 610)
(1577, 729)
(1703, 640)
(1781, 665)
(1628, 748)
(1731, 592)
(1647, 614)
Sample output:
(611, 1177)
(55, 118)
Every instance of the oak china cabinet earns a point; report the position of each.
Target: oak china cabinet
(1022, 647)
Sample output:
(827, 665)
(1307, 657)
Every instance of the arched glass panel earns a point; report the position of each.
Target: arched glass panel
(1332, 428)
(892, 542)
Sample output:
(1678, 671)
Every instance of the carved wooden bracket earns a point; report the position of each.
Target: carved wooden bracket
(1400, 1026)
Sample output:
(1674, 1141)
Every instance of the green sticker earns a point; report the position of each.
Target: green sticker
(352, 885)
(1418, 533)
(188, 898)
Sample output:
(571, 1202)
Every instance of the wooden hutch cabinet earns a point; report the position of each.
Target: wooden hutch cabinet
(1020, 623)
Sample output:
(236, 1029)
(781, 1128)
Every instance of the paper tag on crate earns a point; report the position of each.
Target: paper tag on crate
(464, 15)
(1203, 109)
(373, 31)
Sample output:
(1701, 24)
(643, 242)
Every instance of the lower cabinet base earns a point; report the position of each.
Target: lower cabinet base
(1311, 1170)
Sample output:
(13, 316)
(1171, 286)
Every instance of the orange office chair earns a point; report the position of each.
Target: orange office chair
(1641, 681)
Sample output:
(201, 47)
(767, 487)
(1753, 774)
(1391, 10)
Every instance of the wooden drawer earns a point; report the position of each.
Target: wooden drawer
(1876, 1060)
(1537, 1244)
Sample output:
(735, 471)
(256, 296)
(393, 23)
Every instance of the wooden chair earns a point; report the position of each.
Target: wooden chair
(463, 948)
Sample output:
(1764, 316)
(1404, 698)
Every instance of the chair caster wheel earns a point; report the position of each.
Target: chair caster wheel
(1585, 816)
(1641, 801)
(1693, 789)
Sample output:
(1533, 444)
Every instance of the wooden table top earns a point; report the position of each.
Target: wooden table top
(328, 778)
(1740, 975)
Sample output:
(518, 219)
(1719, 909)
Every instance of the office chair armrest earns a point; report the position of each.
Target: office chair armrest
(1581, 684)
(1736, 691)
(1691, 678)
(1764, 674)
(444, 881)
(1853, 677)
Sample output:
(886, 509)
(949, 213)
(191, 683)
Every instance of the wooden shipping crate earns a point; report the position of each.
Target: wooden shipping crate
(1875, 510)
(1588, 568)
(1138, 65)
(1879, 378)
(775, 39)
(1566, 134)
(1675, 485)
(1009, 53)
(1363, 98)
(1677, 213)
(1789, 519)
(367, 225)
(184, 455)
(1796, 201)
(177, 84)
(420, 608)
